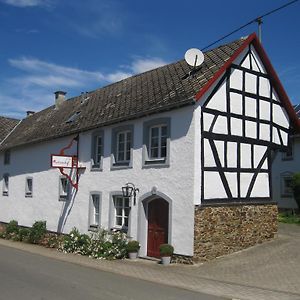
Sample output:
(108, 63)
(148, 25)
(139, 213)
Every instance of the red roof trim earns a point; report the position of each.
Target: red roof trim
(225, 67)
(274, 78)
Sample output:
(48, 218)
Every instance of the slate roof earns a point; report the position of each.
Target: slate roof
(6, 126)
(154, 91)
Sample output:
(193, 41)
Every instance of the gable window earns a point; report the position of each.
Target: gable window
(28, 187)
(5, 185)
(63, 188)
(286, 184)
(97, 150)
(7, 157)
(156, 142)
(94, 210)
(122, 142)
(121, 212)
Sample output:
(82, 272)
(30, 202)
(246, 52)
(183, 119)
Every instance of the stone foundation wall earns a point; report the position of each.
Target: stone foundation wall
(220, 230)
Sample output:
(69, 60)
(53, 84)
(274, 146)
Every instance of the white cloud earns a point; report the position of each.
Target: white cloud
(33, 88)
(26, 3)
(142, 65)
(47, 74)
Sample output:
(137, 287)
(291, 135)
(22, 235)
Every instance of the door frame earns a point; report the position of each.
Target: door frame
(143, 219)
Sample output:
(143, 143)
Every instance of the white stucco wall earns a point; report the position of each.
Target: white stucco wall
(175, 181)
(281, 167)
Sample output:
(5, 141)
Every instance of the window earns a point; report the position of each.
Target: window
(286, 184)
(122, 142)
(7, 157)
(97, 150)
(121, 212)
(123, 146)
(28, 187)
(73, 117)
(5, 184)
(63, 188)
(156, 142)
(94, 210)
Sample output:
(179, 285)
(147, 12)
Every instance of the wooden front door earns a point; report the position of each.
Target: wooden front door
(158, 220)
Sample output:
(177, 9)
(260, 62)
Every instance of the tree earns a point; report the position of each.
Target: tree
(296, 188)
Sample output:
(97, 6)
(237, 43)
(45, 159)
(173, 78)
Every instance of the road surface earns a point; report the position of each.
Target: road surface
(29, 276)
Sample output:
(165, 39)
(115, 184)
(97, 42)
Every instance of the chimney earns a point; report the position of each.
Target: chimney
(29, 113)
(59, 98)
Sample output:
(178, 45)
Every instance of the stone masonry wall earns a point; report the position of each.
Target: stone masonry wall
(220, 230)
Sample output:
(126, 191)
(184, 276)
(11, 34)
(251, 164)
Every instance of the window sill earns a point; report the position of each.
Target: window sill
(28, 196)
(94, 228)
(156, 163)
(120, 166)
(5, 194)
(119, 229)
(96, 169)
(63, 198)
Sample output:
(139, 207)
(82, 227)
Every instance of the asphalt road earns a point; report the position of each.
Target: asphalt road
(29, 276)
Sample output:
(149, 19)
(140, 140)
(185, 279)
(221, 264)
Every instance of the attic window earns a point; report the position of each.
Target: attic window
(73, 117)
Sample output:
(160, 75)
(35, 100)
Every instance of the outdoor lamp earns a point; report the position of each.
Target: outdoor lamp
(128, 190)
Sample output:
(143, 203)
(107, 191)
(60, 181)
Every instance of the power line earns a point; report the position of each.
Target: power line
(258, 19)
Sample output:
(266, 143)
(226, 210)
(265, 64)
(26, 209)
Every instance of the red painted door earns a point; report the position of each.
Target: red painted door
(158, 220)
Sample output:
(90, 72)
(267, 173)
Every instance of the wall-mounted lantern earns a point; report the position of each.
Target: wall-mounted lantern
(130, 190)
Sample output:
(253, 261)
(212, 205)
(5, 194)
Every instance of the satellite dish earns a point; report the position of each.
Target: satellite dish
(194, 57)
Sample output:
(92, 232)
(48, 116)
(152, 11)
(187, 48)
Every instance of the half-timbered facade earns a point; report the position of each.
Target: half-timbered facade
(243, 120)
(198, 148)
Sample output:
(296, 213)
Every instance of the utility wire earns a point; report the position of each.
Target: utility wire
(250, 22)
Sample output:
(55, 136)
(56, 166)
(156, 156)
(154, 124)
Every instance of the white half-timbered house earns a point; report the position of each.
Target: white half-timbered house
(198, 148)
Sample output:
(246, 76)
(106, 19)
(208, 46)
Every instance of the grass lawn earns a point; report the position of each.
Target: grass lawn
(289, 218)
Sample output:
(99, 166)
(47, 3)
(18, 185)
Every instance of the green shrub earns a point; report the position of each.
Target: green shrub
(166, 250)
(289, 218)
(101, 244)
(24, 234)
(37, 232)
(296, 187)
(133, 246)
(12, 227)
(76, 243)
(53, 240)
(108, 245)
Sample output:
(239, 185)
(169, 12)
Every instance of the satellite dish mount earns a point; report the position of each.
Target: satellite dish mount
(194, 57)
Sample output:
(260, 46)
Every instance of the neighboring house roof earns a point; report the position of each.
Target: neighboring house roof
(6, 126)
(151, 92)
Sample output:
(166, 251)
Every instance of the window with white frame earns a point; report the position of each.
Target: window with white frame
(5, 185)
(122, 143)
(97, 150)
(122, 209)
(63, 188)
(123, 146)
(286, 184)
(94, 210)
(156, 142)
(28, 187)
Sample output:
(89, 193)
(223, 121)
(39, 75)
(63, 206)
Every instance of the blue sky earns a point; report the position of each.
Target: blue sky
(75, 46)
